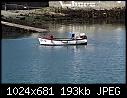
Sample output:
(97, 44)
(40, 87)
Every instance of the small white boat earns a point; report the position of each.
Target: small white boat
(82, 40)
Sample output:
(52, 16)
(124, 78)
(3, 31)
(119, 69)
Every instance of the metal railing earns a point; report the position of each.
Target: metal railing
(17, 6)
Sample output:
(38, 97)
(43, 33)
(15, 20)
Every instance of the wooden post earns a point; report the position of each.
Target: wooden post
(5, 7)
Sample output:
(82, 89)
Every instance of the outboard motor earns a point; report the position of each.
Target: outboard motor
(83, 36)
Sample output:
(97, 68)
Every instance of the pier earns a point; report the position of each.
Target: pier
(23, 26)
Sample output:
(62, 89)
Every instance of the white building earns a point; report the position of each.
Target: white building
(87, 4)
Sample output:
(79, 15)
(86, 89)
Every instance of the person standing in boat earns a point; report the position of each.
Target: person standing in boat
(51, 38)
(73, 36)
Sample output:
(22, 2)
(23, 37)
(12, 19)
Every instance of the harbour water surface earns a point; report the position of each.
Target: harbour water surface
(101, 61)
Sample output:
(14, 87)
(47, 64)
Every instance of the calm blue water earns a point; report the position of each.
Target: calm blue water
(101, 61)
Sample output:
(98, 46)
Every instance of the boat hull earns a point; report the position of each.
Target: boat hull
(57, 42)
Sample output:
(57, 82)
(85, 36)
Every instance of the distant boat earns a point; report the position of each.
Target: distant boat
(81, 40)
